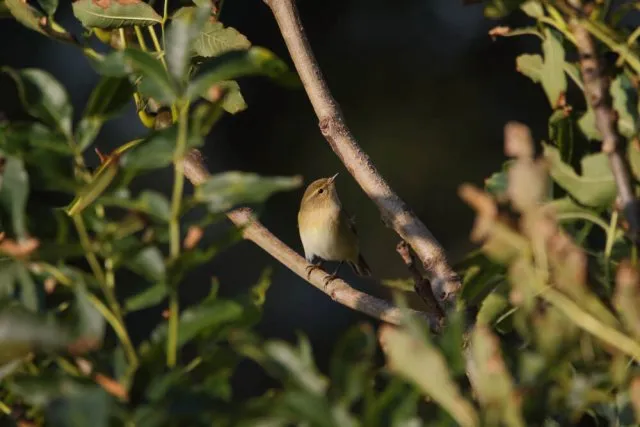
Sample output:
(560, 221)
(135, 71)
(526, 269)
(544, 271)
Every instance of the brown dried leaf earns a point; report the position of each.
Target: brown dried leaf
(194, 234)
(19, 249)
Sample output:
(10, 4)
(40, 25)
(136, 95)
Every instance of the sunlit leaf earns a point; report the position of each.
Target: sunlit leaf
(594, 188)
(110, 14)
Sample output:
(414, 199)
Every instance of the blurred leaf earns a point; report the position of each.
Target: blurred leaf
(352, 364)
(205, 318)
(69, 402)
(156, 151)
(594, 188)
(149, 263)
(259, 290)
(416, 360)
(406, 285)
(115, 13)
(29, 295)
(110, 96)
(14, 191)
(155, 83)
(149, 297)
(234, 101)
(480, 275)
(492, 306)
(42, 96)
(232, 65)
(26, 15)
(531, 66)
(625, 102)
(223, 191)
(148, 202)
(49, 6)
(90, 325)
(22, 332)
(496, 9)
(532, 8)
(180, 38)
(492, 381)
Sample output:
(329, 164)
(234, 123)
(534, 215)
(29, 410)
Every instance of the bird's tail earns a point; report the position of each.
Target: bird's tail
(361, 267)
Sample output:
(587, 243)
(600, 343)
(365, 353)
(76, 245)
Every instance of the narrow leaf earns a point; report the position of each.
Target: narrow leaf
(14, 192)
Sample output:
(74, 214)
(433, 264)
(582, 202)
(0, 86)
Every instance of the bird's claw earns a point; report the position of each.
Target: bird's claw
(310, 268)
(329, 279)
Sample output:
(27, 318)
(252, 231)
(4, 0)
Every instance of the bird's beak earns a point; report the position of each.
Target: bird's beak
(333, 178)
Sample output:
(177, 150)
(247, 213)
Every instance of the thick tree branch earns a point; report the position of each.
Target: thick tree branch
(596, 88)
(445, 283)
(196, 172)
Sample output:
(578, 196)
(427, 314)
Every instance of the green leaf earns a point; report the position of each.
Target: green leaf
(69, 402)
(149, 263)
(415, 359)
(22, 332)
(108, 98)
(180, 37)
(550, 71)
(625, 102)
(232, 65)
(352, 364)
(205, 318)
(43, 97)
(156, 82)
(115, 13)
(561, 132)
(496, 9)
(25, 14)
(49, 6)
(156, 151)
(532, 8)
(90, 325)
(492, 381)
(223, 191)
(14, 192)
(150, 203)
(234, 101)
(99, 183)
(213, 39)
(259, 290)
(149, 297)
(594, 188)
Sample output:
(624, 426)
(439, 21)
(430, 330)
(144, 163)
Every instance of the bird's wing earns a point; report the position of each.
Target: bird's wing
(351, 221)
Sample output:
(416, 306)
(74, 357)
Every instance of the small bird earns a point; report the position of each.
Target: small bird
(326, 230)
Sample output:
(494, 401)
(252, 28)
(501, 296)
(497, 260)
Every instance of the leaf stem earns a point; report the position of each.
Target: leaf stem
(174, 228)
(156, 44)
(140, 36)
(85, 242)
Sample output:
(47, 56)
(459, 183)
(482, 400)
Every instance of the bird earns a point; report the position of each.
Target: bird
(327, 231)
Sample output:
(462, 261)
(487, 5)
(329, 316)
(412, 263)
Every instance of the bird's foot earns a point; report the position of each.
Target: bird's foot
(310, 268)
(329, 279)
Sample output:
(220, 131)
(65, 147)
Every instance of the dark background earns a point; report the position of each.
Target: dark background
(425, 91)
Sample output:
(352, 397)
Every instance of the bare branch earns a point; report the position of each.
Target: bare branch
(596, 88)
(340, 291)
(421, 284)
(395, 212)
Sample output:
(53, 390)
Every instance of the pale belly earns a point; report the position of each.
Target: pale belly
(326, 245)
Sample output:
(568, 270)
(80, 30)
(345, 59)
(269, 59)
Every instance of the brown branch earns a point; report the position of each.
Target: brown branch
(395, 212)
(421, 284)
(340, 291)
(596, 89)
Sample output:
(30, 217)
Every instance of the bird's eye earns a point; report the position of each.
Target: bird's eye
(320, 191)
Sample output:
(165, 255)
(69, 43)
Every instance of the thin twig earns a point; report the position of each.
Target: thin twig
(596, 89)
(196, 172)
(395, 212)
(421, 284)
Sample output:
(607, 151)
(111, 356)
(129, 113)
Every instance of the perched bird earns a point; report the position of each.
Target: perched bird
(326, 230)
